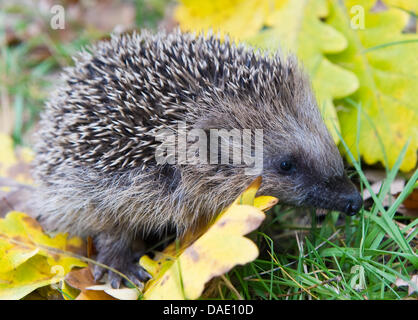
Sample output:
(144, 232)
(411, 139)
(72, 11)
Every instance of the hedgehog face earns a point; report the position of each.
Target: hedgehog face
(304, 174)
(301, 164)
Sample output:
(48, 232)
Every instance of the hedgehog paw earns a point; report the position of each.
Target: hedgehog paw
(118, 256)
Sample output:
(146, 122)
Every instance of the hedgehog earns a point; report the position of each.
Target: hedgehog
(95, 164)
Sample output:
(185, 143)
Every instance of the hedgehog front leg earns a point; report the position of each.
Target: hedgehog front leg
(116, 252)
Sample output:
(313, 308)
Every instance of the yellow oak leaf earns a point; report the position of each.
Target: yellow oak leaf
(68, 292)
(34, 273)
(30, 259)
(237, 18)
(181, 271)
(385, 62)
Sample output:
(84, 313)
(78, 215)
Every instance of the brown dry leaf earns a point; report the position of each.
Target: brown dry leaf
(410, 205)
(82, 279)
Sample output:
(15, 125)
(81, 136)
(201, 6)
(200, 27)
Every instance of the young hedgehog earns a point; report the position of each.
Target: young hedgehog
(95, 154)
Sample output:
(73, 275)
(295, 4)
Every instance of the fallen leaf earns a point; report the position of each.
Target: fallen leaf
(82, 279)
(120, 294)
(34, 273)
(181, 273)
(265, 203)
(68, 292)
(30, 259)
(410, 205)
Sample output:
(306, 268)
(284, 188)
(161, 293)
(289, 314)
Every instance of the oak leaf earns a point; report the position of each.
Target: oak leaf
(182, 270)
(30, 259)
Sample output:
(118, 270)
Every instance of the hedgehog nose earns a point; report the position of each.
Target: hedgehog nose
(354, 204)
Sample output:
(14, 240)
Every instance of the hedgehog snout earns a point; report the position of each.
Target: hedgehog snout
(337, 193)
(349, 199)
(353, 203)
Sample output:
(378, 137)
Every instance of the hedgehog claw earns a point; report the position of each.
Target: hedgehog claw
(143, 274)
(137, 276)
(114, 280)
(98, 273)
(135, 273)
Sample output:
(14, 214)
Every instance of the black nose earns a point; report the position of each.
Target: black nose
(354, 204)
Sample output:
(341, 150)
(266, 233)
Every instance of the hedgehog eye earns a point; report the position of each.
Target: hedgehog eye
(286, 165)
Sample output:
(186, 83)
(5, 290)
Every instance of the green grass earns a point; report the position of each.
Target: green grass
(25, 80)
(24, 86)
(150, 12)
(360, 259)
